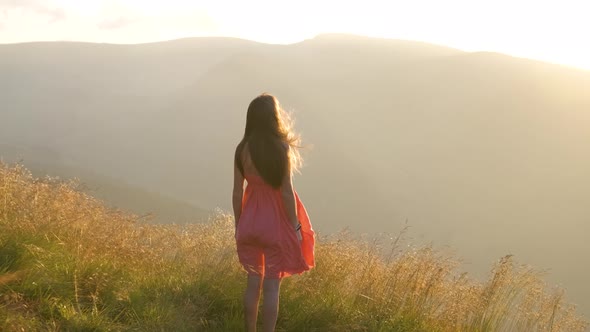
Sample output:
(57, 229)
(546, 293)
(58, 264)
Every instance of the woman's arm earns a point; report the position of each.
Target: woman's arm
(289, 200)
(238, 193)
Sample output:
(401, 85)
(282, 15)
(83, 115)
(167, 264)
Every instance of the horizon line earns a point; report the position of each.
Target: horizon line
(319, 35)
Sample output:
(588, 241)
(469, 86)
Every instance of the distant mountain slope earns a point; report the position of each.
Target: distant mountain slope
(481, 151)
(154, 206)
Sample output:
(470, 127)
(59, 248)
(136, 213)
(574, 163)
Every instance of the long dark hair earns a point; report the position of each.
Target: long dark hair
(273, 146)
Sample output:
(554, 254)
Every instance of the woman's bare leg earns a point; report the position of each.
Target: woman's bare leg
(270, 306)
(251, 298)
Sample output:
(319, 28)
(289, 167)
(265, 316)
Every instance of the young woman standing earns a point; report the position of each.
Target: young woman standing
(274, 236)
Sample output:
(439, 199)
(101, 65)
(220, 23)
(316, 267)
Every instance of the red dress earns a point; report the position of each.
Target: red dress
(267, 243)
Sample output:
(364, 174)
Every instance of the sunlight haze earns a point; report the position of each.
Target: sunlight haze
(461, 126)
(550, 31)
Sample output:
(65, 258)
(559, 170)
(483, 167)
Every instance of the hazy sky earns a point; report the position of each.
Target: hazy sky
(556, 31)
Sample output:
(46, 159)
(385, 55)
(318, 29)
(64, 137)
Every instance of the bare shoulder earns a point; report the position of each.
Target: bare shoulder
(241, 147)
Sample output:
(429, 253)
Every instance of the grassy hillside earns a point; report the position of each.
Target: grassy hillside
(67, 263)
(483, 152)
(115, 193)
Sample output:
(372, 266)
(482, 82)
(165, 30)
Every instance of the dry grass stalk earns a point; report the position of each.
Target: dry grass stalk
(108, 256)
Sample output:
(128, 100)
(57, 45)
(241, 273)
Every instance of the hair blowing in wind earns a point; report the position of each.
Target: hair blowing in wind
(272, 144)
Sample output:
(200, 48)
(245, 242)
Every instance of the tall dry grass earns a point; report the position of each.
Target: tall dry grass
(69, 263)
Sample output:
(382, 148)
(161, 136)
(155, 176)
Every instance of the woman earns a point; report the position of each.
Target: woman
(273, 234)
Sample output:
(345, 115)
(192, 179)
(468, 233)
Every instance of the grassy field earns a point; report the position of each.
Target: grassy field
(68, 263)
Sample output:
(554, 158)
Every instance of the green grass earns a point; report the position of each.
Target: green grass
(68, 263)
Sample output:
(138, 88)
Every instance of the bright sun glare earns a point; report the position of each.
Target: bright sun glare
(553, 31)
